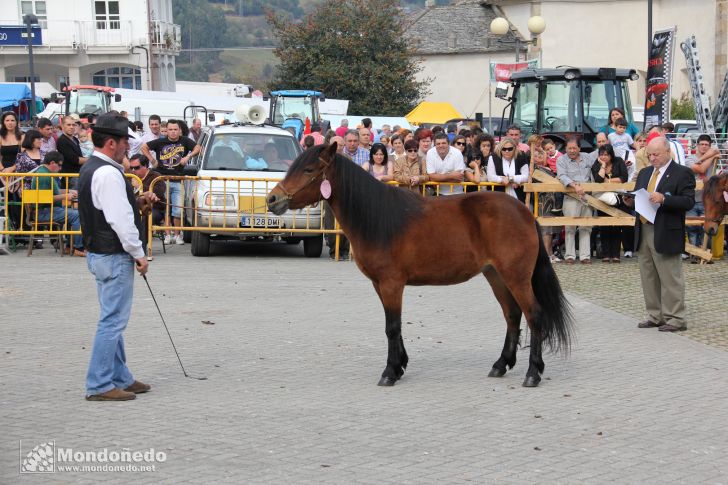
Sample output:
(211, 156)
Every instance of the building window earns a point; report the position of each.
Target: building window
(107, 15)
(119, 77)
(37, 8)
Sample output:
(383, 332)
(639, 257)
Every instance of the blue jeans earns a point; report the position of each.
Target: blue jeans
(175, 198)
(59, 217)
(114, 284)
(695, 233)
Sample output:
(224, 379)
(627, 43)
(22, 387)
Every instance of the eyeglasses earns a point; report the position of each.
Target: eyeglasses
(507, 149)
(134, 167)
(411, 150)
(460, 143)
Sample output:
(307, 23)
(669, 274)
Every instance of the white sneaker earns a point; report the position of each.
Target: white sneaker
(167, 239)
(178, 240)
(628, 254)
(555, 259)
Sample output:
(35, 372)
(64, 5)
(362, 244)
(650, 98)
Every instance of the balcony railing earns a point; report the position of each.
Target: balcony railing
(84, 34)
(166, 35)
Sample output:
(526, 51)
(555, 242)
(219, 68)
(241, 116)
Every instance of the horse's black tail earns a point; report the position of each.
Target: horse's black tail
(555, 320)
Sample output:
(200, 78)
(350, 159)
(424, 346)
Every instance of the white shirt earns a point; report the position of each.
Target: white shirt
(678, 152)
(108, 194)
(453, 162)
(135, 145)
(661, 172)
(509, 170)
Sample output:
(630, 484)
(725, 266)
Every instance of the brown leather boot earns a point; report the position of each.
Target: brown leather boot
(115, 394)
(138, 388)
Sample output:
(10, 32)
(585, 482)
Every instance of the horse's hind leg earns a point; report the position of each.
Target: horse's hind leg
(512, 314)
(523, 294)
(390, 293)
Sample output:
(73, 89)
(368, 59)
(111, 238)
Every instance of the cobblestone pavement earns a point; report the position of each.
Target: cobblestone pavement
(292, 358)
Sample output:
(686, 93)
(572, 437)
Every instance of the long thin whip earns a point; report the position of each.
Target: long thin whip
(169, 334)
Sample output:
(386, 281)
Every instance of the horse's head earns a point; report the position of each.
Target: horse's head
(715, 201)
(307, 181)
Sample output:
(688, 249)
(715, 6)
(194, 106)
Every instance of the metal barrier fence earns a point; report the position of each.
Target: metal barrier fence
(35, 203)
(689, 142)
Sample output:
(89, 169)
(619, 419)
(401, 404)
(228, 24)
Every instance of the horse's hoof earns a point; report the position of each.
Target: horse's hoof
(531, 381)
(386, 381)
(496, 372)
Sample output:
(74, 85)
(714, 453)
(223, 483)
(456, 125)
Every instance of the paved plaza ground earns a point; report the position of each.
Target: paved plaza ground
(292, 357)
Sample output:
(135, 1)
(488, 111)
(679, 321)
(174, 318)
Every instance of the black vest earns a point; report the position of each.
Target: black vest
(98, 236)
(520, 161)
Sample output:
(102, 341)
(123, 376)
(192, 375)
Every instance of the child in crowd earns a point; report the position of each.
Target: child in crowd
(552, 154)
(620, 140)
(84, 139)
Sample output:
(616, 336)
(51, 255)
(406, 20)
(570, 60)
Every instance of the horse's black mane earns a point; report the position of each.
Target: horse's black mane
(711, 185)
(376, 212)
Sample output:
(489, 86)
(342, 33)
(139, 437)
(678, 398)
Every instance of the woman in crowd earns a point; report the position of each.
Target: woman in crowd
(609, 169)
(386, 141)
(10, 139)
(378, 166)
(460, 143)
(640, 141)
(479, 157)
(406, 135)
(540, 161)
(30, 158)
(615, 114)
(511, 171)
(424, 138)
(397, 148)
(408, 171)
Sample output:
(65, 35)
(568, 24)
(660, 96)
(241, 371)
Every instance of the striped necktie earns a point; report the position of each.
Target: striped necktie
(651, 188)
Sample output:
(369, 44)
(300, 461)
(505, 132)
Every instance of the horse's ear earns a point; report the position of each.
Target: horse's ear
(330, 152)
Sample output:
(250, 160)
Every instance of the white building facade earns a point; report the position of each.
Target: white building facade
(456, 45)
(118, 43)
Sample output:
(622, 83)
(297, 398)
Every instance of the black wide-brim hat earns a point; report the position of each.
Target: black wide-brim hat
(112, 124)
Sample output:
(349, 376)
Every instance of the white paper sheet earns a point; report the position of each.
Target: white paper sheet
(643, 206)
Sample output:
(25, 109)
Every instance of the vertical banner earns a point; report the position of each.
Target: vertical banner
(500, 72)
(659, 78)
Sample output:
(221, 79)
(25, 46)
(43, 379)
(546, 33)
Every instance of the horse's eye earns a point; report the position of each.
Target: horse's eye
(308, 170)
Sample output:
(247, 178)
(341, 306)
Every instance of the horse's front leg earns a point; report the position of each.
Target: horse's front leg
(391, 296)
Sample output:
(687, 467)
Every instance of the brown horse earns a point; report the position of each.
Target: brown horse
(715, 202)
(402, 238)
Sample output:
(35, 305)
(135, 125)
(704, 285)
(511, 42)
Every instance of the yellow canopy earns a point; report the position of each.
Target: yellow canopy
(432, 112)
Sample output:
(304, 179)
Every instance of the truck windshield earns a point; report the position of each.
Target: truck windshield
(599, 99)
(288, 107)
(251, 152)
(557, 106)
(87, 101)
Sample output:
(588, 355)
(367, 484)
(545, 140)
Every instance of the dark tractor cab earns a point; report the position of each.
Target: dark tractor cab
(567, 101)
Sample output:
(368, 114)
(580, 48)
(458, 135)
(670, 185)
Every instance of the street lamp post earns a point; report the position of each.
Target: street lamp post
(30, 20)
(500, 27)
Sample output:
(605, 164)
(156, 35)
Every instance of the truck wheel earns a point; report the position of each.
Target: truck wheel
(313, 246)
(200, 244)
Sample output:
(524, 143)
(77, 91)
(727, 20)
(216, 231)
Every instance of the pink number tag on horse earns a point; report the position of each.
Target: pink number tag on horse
(326, 189)
(725, 195)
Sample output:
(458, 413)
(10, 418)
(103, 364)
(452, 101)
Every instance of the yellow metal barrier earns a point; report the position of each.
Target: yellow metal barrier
(21, 200)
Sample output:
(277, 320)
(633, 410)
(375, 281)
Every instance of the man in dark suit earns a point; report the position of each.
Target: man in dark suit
(661, 244)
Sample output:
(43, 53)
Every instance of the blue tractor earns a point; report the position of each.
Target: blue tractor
(290, 109)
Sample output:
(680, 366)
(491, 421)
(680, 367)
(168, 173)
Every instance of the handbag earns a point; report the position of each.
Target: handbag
(609, 198)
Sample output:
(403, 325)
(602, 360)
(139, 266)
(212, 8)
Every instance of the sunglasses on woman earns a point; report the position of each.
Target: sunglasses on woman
(507, 149)
(411, 150)
(460, 143)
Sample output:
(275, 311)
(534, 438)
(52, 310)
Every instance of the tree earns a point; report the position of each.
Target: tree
(201, 25)
(350, 49)
(683, 108)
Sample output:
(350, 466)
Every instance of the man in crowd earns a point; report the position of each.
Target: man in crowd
(139, 166)
(174, 152)
(196, 130)
(48, 143)
(318, 138)
(672, 190)
(154, 132)
(352, 149)
(445, 164)
(339, 143)
(385, 131)
(365, 138)
(573, 169)
(343, 128)
(514, 132)
(667, 130)
(111, 225)
(52, 163)
(70, 147)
